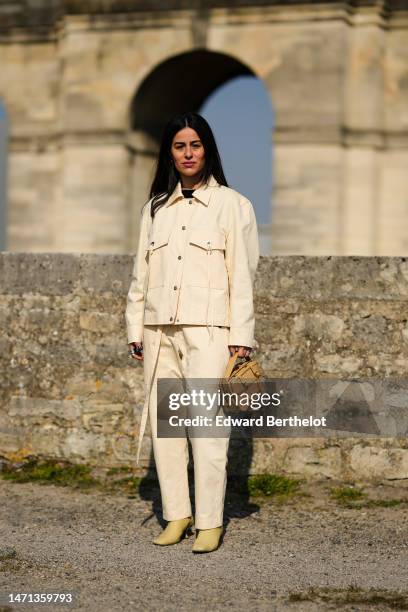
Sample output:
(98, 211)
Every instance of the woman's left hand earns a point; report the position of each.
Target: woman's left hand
(243, 351)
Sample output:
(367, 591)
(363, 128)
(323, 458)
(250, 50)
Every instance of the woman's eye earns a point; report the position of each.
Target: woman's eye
(195, 146)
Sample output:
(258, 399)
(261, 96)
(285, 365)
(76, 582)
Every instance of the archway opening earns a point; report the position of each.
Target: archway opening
(179, 84)
(243, 134)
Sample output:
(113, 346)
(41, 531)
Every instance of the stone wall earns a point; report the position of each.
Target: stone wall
(68, 390)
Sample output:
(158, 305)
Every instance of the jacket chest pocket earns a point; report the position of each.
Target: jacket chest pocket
(157, 249)
(205, 264)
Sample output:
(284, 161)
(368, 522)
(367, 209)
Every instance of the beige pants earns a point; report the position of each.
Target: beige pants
(187, 351)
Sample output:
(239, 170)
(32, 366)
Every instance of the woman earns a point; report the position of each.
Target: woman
(189, 307)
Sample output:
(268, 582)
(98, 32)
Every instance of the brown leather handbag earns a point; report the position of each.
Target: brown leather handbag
(245, 376)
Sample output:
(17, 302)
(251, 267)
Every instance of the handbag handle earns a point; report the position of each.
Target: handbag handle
(231, 364)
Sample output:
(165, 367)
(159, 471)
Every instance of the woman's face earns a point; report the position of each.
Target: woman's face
(188, 153)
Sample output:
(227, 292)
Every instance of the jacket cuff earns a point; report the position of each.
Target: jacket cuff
(134, 333)
(241, 336)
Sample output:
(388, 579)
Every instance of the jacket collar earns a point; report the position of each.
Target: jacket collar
(202, 193)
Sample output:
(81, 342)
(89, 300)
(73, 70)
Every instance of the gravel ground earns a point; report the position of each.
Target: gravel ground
(309, 553)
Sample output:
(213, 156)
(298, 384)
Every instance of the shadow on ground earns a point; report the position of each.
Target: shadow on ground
(237, 498)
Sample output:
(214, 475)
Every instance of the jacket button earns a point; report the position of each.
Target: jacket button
(190, 201)
(175, 287)
(152, 242)
(171, 318)
(179, 257)
(183, 227)
(177, 320)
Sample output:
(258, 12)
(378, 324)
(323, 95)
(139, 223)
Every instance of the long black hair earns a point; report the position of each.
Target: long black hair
(166, 176)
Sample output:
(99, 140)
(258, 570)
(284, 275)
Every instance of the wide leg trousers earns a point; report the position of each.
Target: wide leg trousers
(187, 351)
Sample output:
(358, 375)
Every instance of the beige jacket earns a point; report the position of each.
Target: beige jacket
(196, 263)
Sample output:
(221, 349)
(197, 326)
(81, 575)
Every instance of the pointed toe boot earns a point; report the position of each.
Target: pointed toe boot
(175, 531)
(207, 540)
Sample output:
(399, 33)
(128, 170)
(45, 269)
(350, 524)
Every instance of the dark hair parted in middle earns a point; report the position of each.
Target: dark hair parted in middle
(166, 176)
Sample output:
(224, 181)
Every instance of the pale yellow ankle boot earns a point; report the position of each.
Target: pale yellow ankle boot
(207, 540)
(175, 531)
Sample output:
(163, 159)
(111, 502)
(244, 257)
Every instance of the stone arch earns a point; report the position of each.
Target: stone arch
(181, 83)
(166, 91)
(3, 176)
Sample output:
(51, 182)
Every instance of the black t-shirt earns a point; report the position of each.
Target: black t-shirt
(187, 193)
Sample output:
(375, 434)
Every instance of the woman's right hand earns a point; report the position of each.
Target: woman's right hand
(135, 346)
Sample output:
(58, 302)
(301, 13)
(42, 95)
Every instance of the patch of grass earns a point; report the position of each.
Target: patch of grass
(51, 471)
(347, 496)
(7, 552)
(11, 566)
(72, 475)
(130, 484)
(354, 497)
(12, 563)
(9, 562)
(272, 485)
(352, 595)
(384, 503)
(118, 470)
